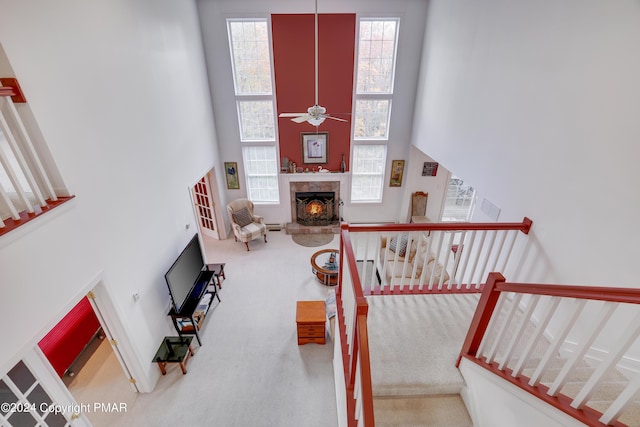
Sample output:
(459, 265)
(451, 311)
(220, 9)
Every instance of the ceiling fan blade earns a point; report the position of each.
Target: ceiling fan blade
(334, 118)
(292, 114)
(301, 119)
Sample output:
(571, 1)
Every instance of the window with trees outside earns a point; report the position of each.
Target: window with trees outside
(368, 172)
(249, 41)
(261, 173)
(459, 202)
(376, 62)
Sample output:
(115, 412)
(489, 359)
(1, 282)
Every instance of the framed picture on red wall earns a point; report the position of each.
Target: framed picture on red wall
(314, 147)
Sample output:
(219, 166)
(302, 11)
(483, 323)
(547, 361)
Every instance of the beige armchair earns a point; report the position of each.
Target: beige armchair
(395, 270)
(246, 226)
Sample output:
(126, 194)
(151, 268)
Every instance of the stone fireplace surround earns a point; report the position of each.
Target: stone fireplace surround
(308, 187)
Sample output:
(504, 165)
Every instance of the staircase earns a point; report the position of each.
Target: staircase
(402, 332)
(414, 343)
(612, 385)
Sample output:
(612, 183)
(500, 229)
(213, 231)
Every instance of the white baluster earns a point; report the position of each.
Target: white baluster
(629, 335)
(540, 328)
(588, 338)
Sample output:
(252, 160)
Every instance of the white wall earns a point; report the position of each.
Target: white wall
(213, 15)
(493, 402)
(536, 105)
(436, 186)
(120, 92)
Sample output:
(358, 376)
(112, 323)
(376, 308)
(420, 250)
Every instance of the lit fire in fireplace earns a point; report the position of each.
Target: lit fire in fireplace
(315, 208)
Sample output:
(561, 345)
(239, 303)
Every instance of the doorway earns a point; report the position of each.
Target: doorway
(206, 205)
(99, 369)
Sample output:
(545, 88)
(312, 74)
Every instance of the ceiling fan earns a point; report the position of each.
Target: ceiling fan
(316, 114)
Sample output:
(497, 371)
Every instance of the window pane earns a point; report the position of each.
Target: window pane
(256, 121)
(261, 171)
(376, 56)
(250, 54)
(372, 119)
(368, 172)
(459, 202)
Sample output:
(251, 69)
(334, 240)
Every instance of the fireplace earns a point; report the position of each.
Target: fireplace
(316, 208)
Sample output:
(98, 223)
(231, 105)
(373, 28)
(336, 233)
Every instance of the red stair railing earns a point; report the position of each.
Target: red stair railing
(351, 302)
(508, 365)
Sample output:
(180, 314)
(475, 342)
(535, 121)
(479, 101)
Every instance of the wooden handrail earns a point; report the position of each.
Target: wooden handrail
(365, 380)
(482, 316)
(495, 285)
(523, 226)
(360, 350)
(11, 87)
(351, 260)
(599, 293)
(360, 347)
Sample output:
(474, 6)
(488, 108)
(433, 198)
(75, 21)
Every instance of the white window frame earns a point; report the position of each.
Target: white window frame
(257, 95)
(465, 197)
(250, 142)
(249, 175)
(356, 174)
(386, 95)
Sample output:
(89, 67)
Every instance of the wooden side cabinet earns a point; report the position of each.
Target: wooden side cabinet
(311, 320)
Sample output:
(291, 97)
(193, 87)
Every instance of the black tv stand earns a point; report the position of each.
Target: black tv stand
(189, 319)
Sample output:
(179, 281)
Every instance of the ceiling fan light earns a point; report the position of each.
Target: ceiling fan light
(316, 122)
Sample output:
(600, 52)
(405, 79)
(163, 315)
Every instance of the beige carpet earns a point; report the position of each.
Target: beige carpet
(440, 410)
(415, 341)
(250, 370)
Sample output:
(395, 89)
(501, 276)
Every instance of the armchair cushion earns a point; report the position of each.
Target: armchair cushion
(242, 217)
(401, 246)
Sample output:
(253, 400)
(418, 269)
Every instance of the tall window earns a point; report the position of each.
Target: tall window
(251, 63)
(374, 86)
(261, 172)
(368, 172)
(460, 201)
(253, 83)
(376, 61)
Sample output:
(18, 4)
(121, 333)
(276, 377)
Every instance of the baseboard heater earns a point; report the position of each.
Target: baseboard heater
(275, 227)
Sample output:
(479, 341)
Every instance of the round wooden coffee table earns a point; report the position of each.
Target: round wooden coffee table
(324, 264)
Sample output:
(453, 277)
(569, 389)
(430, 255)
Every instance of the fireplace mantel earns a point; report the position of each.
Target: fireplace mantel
(313, 176)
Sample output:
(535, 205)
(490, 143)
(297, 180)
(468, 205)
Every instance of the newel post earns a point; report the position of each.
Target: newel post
(480, 321)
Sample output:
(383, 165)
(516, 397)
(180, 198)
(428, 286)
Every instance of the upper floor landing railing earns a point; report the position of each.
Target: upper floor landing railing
(29, 182)
(433, 257)
(369, 266)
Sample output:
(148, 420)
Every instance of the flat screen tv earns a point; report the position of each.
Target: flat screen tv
(183, 274)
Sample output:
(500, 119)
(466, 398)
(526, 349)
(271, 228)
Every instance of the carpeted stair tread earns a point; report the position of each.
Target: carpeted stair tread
(631, 417)
(579, 374)
(425, 411)
(415, 341)
(605, 392)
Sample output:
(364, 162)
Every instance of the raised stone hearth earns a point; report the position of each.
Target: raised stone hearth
(295, 228)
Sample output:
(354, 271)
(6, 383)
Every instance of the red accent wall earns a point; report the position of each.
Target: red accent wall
(294, 69)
